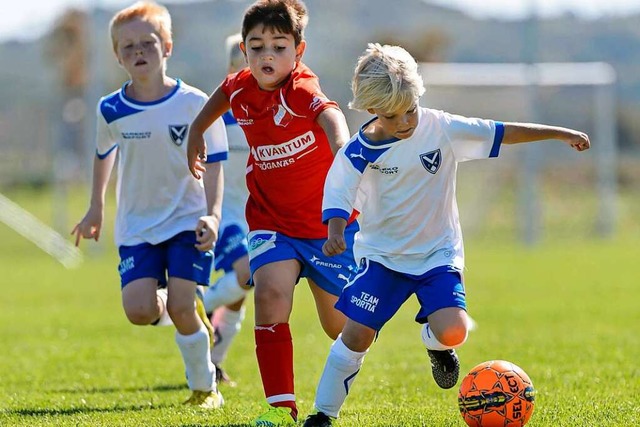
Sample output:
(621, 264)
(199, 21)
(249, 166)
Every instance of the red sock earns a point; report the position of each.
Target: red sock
(274, 349)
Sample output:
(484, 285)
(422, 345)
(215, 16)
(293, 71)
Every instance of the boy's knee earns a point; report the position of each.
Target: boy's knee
(453, 336)
(141, 316)
(179, 310)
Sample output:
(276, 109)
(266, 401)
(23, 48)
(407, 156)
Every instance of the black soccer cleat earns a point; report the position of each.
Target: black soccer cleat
(319, 419)
(445, 367)
(223, 378)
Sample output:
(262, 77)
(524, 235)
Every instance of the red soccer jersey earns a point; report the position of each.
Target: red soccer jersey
(289, 152)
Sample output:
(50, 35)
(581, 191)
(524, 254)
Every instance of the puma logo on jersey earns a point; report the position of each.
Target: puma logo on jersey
(112, 106)
(358, 155)
(178, 133)
(343, 277)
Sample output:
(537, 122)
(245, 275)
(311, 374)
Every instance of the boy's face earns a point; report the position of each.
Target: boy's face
(140, 49)
(271, 55)
(398, 124)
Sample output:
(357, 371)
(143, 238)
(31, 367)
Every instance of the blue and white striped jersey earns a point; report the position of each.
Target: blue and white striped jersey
(405, 190)
(157, 196)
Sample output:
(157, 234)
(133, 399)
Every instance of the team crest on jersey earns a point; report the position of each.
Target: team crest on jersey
(431, 161)
(178, 133)
(281, 117)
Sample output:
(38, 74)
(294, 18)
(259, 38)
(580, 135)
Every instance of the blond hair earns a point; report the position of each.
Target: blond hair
(147, 11)
(235, 57)
(386, 78)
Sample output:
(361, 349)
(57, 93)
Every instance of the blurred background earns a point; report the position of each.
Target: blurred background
(57, 62)
(552, 235)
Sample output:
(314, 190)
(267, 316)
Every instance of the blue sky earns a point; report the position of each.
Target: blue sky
(31, 18)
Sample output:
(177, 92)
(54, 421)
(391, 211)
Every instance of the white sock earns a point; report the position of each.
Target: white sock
(431, 342)
(201, 373)
(340, 371)
(164, 319)
(225, 291)
(227, 324)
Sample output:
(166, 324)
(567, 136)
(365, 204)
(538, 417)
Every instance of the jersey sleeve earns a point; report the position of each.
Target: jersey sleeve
(341, 187)
(231, 82)
(217, 143)
(105, 143)
(306, 98)
(473, 138)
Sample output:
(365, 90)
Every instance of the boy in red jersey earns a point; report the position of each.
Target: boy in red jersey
(293, 131)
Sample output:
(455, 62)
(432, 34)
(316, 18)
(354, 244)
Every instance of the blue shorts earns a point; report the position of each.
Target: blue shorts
(176, 257)
(230, 247)
(330, 273)
(377, 293)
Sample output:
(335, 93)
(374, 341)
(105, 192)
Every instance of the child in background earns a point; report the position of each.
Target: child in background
(224, 300)
(293, 131)
(404, 163)
(166, 220)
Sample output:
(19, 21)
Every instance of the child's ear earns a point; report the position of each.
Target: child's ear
(243, 48)
(371, 111)
(168, 48)
(300, 50)
(118, 59)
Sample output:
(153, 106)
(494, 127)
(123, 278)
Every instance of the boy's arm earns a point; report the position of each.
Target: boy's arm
(216, 106)
(207, 228)
(334, 124)
(335, 243)
(90, 226)
(516, 133)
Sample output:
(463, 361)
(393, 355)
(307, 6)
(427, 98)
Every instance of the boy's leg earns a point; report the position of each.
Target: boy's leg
(192, 339)
(164, 320)
(227, 323)
(140, 301)
(231, 256)
(343, 364)
(225, 299)
(274, 286)
(442, 301)
(141, 270)
(225, 291)
(186, 268)
(368, 302)
(332, 320)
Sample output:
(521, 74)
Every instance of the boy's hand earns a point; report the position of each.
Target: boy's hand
(196, 153)
(334, 245)
(90, 226)
(579, 141)
(206, 232)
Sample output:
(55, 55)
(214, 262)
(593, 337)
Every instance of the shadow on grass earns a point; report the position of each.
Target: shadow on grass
(53, 412)
(167, 387)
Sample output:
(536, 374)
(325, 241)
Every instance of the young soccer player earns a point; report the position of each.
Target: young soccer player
(404, 162)
(159, 203)
(224, 300)
(293, 131)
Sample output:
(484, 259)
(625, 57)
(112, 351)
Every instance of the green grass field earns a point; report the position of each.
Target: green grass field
(566, 311)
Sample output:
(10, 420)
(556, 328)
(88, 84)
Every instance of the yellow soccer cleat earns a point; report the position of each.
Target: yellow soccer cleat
(205, 399)
(276, 416)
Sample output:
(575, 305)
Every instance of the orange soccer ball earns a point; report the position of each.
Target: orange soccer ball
(496, 393)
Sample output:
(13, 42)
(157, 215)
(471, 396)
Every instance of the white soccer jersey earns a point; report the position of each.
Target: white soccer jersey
(406, 190)
(235, 180)
(157, 196)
